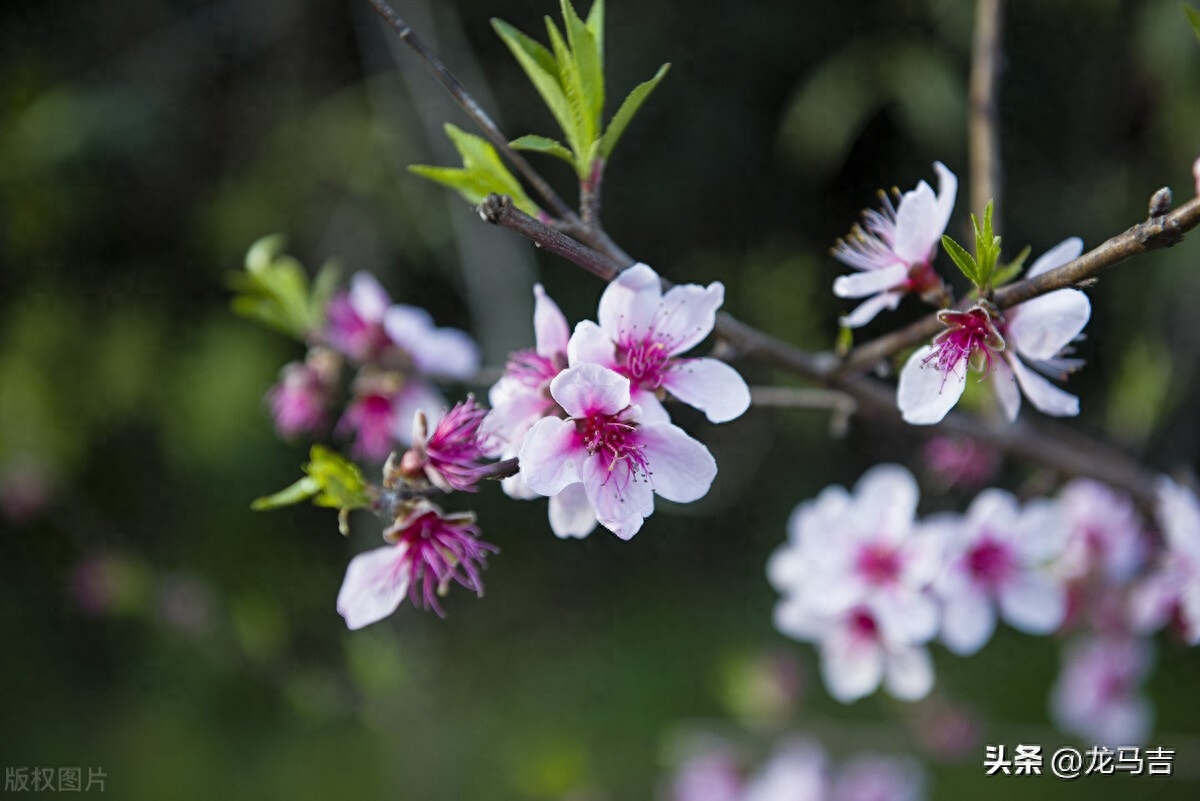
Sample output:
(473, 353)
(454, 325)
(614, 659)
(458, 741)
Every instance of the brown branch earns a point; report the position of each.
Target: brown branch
(1157, 232)
(983, 128)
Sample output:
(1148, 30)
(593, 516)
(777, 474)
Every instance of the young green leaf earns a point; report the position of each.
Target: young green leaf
(298, 492)
(543, 73)
(590, 67)
(987, 247)
(584, 131)
(482, 173)
(341, 482)
(273, 289)
(1008, 272)
(964, 260)
(544, 144)
(595, 24)
(628, 109)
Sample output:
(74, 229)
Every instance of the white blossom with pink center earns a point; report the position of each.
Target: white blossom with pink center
(855, 574)
(893, 250)
(641, 334)
(604, 445)
(797, 771)
(522, 397)
(1038, 334)
(999, 556)
(1171, 593)
(879, 778)
(1104, 534)
(1097, 696)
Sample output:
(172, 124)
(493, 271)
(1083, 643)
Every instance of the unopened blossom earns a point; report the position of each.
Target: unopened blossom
(963, 463)
(998, 558)
(429, 550)
(300, 401)
(893, 249)
(621, 461)
(1098, 694)
(935, 375)
(451, 458)
(642, 333)
(1171, 593)
(878, 778)
(855, 574)
(1038, 334)
(1104, 534)
(797, 771)
(522, 397)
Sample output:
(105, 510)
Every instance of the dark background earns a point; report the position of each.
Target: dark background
(155, 627)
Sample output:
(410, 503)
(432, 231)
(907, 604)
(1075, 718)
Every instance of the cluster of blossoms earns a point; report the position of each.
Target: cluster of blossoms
(398, 353)
(872, 586)
(893, 253)
(799, 769)
(582, 412)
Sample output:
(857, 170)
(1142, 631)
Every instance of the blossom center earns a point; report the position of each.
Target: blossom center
(643, 362)
(863, 625)
(969, 335)
(878, 565)
(438, 551)
(990, 562)
(614, 442)
(531, 369)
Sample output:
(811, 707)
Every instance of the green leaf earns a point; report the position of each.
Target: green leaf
(595, 24)
(629, 107)
(987, 247)
(274, 288)
(543, 144)
(584, 130)
(964, 260)
(1193, 17)
(543, 73)
(482, 173)
(1008, 272)
(341, 483)
(299, 492)
(589, 66)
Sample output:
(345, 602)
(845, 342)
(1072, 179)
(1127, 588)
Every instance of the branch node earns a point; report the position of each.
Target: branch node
(1160, 203)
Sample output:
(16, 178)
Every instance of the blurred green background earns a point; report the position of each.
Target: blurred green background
(157, 628)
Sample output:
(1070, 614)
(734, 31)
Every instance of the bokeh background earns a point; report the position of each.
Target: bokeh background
(155, 627)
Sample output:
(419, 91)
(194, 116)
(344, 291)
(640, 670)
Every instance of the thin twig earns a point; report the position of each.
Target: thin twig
(982, 116)
(1155, 233)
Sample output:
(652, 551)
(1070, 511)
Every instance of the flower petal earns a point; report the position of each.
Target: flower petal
(368, 297)
(869, 282)
(917, 225)
(629, 302)
(375, 584)
(551, 456)
(407, 326)
(621, 499)
(925, 395)
(590, 389)
(1006, 388)
(890, 494)
(852, 667)
(681, 469)
(590, 344)
(1044, 395)
(947, 194)
(968, 621)
(687, 315)
(909, 675)
(571, 513)
(1033, 603)
(1042, 327)
(446, 352)
(415, 396)
(550, 328)
(709, 385)
(865, 312)
(652, 409)
(1065, 251)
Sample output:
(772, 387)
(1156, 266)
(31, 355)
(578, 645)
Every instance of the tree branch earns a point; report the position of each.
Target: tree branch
(984, 139)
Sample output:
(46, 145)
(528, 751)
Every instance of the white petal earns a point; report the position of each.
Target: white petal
(796, 618)
(909, 675)
(709, 385)
(503, 430)
(368, 297)
(590, 389)
(1042, 327)
(652, 408)
(906, 616)
(1005, 384)
(621, 500)
(852, 668)
(1033, 603)
(571, 513)
(551, 456)
(917, 225)
(924, 395)
(865, 312)
(681, 469)
(947, 194)
(446, 352)
(407, 326)
(1065, 251)
(787, 568)
(375, 584)
(1044, 395)
(516, 488)
(687, 315)
(415, 396)
(868, 282)
(968, 622)
(591, 345)
(890, 493)
(550, 328)
(629, 302)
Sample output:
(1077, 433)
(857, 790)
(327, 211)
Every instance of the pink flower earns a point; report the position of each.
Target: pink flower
(964, 463)
(879, 778)
(1096, 696)
(451, 458)
(355, 319)
(797, 771)
(935, 376)
(894, 249)
(604, 445)
(1039, 332)
(642, 332)
(371, 417)
(430, 550)
(855, 575)
(710, 775)
(1171, 593)
(300, 401)
(522, 397)
(998, 556)
(1104, 539)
